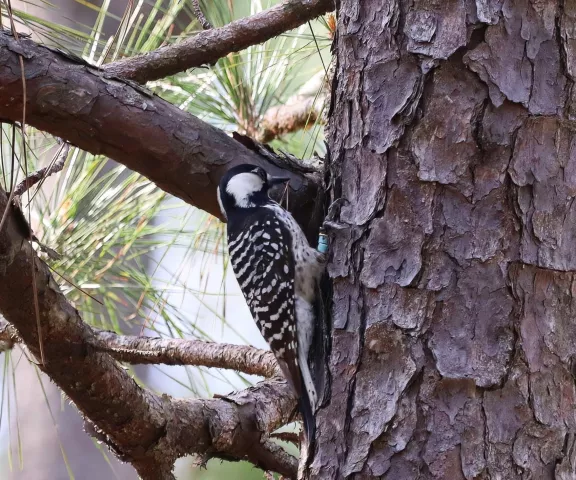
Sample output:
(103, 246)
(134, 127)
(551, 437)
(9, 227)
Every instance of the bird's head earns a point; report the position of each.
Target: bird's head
(245, 186)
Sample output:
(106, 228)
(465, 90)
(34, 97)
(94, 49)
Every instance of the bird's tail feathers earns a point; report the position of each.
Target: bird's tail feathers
(307, 412)
(293, 376)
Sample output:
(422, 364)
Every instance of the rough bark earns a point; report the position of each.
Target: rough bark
(453, 310)
(83, 105)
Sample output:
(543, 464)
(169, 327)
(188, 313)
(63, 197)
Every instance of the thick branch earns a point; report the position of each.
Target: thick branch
(235, 427)
(210, 45)
(172, 351)
(181, 154)
(149, 431)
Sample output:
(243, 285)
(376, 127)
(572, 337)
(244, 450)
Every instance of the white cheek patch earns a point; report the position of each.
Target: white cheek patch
(241, 186)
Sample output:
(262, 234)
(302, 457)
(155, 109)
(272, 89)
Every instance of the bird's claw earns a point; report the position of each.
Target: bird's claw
(331, 226)
(330, 223)
(334, 208)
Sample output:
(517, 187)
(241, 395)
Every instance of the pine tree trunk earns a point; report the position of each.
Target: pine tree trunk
(454, 329)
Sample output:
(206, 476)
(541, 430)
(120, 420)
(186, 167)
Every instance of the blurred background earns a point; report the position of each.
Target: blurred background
(135, 260)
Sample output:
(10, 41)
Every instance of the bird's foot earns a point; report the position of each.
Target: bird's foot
(330, 224)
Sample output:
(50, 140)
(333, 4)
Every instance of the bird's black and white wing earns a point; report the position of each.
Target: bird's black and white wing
(265, 271)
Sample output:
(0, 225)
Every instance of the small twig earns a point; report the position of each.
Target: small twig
(45, 172)
(206, 25)
(289, 437)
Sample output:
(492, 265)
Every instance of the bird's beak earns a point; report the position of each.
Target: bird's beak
(277, 180)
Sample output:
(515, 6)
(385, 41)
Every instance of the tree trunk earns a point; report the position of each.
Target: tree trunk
(453, 330)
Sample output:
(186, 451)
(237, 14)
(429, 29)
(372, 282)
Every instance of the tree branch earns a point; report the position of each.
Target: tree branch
(289, 437)
(78, 103)
(206, 25)
(236, 427)
(42, 173)
(271, 457)
(149, 431)
(300, 111)
(210, 45)
(168, 351)
(172, 351)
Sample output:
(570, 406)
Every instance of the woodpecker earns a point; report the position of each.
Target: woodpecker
(278, 273)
